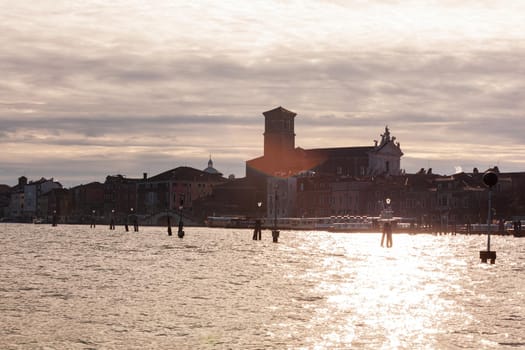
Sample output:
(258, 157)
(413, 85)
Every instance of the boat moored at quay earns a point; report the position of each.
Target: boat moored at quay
(292, 223)
(330, 223)
(361, 224)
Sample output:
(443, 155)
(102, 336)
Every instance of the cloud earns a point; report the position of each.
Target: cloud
(136, 81)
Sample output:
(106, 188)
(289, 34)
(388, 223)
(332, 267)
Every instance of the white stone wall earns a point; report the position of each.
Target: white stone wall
(390, 154)
(32, 191)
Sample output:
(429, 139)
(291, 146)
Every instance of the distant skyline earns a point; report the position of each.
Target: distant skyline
(94, 88)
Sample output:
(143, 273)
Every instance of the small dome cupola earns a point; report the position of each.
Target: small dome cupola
(210, 169)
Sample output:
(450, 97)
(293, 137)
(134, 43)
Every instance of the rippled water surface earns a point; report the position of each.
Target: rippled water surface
(72, 287)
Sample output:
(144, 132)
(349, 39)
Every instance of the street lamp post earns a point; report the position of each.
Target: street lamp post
(490, 179)
(112, 220)
(386, 216)
(180, 231)
(126, 227)
(55, 219)
(257, 232)
(135, 221)
(93, 223)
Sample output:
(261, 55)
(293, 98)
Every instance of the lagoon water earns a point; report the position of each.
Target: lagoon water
(72, 287)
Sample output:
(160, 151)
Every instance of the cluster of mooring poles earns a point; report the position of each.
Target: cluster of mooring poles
(180, 231)
(257, 231)
(490, 179)
(134, 220)
(131, 217)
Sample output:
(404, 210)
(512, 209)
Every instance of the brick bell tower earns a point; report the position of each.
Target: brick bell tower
(279, 135)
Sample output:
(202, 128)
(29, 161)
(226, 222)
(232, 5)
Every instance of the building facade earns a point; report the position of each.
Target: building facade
(175, 188)
(282, 159)
(33, 190)
(87, 201)
(328, 180)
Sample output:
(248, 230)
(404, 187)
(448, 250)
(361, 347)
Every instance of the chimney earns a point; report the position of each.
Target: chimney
(145, 176)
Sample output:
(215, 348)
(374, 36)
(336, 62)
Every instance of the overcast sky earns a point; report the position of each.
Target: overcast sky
(91, 88)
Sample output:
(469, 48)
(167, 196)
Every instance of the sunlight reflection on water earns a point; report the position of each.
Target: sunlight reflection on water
(73, 287)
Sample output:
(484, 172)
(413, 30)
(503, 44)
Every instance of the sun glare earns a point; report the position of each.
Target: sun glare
(387, 290)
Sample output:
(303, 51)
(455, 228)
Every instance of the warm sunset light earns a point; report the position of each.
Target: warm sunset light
(340, 174)
(85, 81)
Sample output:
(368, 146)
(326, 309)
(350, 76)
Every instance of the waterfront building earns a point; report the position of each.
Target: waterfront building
(445, 203)
(281, 197)
(85, 199)
(313, 194)
(459, 198)
(5, 197)
(120, 196)
(419, 192)
(329, 195)
(25, 198)
(179, 186)
(325, 167)
(16, 205)
(516, 202)
(55, 202)
(32, 192)
(282, 159)
(234, 197)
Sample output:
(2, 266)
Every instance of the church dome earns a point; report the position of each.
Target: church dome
(210, 169)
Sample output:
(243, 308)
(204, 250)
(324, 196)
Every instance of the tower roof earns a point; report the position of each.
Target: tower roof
(210, 169)
(279, 112)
